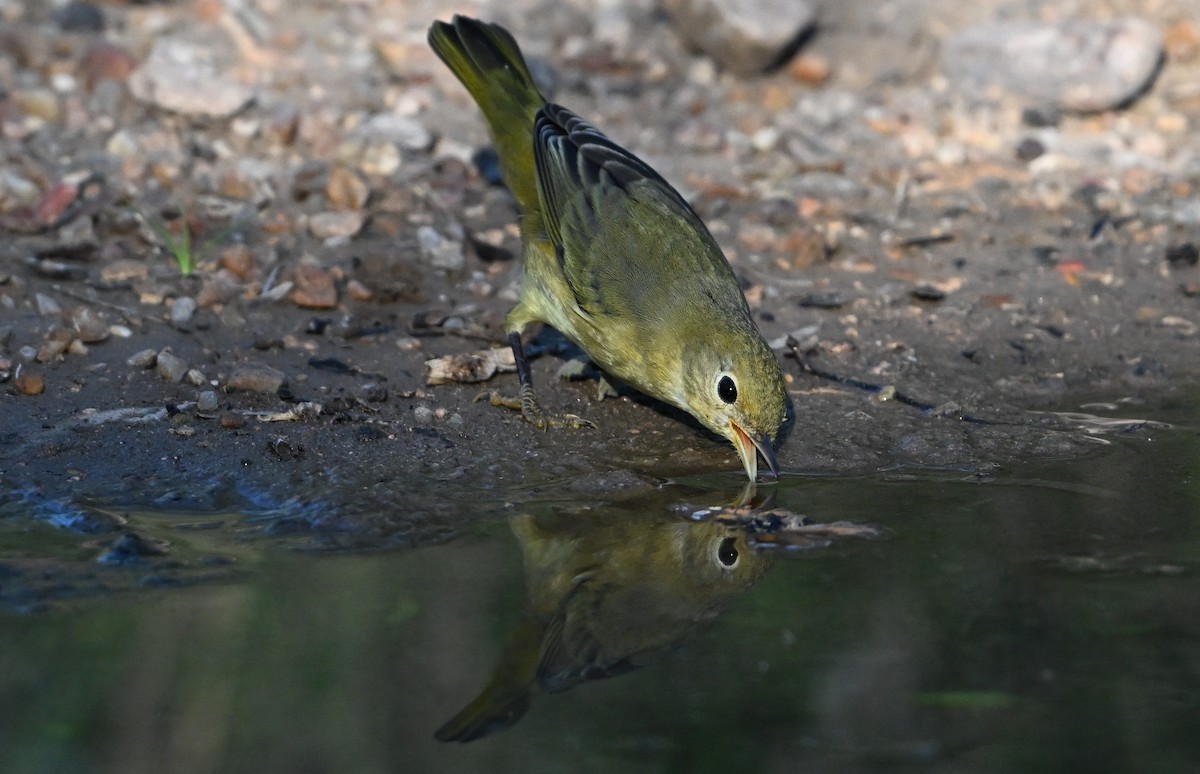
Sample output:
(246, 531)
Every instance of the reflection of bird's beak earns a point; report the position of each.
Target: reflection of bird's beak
(749, 447)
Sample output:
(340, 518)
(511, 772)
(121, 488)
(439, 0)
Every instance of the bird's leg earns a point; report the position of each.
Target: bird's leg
(526, 401)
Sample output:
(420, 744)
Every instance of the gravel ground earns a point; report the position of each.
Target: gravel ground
(991, 207)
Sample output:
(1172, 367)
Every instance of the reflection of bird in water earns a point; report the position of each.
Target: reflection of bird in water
(606, 594)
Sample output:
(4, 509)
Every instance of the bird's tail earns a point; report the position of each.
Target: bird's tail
(489, 63)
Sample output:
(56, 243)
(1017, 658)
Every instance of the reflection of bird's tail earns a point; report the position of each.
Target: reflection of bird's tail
(508, 694)
(493, 710)
(489, 63)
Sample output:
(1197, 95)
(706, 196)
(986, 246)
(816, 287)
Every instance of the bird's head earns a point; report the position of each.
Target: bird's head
(734, 386)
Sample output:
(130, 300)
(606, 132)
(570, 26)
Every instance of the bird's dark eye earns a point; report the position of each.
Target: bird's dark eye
(726, 389)
(727, 552)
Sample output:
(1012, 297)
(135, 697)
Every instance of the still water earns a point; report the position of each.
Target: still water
(1046, 618)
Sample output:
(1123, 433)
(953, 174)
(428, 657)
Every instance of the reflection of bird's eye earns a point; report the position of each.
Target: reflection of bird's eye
(727, 552)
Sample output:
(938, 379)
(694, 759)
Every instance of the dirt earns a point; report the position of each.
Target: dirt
(901, 233)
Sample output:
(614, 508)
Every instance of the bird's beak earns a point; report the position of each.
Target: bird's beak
(749, 447)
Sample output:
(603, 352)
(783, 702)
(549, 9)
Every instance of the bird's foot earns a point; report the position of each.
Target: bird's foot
(526, 402)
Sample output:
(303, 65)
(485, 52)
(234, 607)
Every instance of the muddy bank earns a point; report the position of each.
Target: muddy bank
(986, 255)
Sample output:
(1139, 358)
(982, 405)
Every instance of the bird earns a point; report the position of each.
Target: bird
(606, 593)
(616, 260)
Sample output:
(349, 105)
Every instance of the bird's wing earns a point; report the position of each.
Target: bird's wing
(589, 185)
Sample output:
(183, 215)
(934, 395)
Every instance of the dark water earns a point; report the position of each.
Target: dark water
(1045, 619)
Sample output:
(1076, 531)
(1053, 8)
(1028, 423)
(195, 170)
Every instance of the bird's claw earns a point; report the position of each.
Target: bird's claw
(527, 404)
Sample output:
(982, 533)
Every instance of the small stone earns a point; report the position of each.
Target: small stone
(195, 377)
(1190, 289)
(47, 306)
(1029, 149)
(823, 300)
(441, 252)
(1076, 64)
(406, 132)
(124, 270)
(170, 366)
(105, 61)
(810, 69)
(145, 358)
(182, 310)
(219, 289)
(744, 36)
(336, 225)
(51, 350)
(408, 344)
(238, 260)
(379, 158)
(231, 421)
(346, 190)
(1182, 255)
(79, 16)
(88, 324)
(373, 392)
(359, 291)
(927, 293)
(255, 377)
(284, 124)
(314, 287)
(77, 347)
(184, 77)
(207, 401)
(423, 415)
(30, 383)
(39, 103)
(1041, 117)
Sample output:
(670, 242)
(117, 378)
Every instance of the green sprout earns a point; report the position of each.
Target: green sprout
(180, 246)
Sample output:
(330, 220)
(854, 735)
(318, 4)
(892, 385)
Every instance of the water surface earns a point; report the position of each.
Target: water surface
(1046, 618)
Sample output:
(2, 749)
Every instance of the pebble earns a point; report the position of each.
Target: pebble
(379, 158)
(47, 306)
(183, 77)
(105, 61)
(406, 132)
(88, 324)
(50, 350)
(373, 392)
(231, 421)
(195, 377)
(358, 291)
(1182, 255)
(182, 310)
(79, 16)
(207, 401)
(255, 377)
(30, 383)
(442, 253)
(145, 358)
(170, 366)
(124, 270)
(238, 260)
(1029, 149)
(744, 36)
(336, 225)
(284, 124)
(345, 190)
(218, 289)
(314, 287)
(1078, 65)
(423, 415)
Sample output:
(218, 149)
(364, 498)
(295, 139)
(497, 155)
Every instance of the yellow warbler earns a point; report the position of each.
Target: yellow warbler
(616, 260)
(606, 593)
